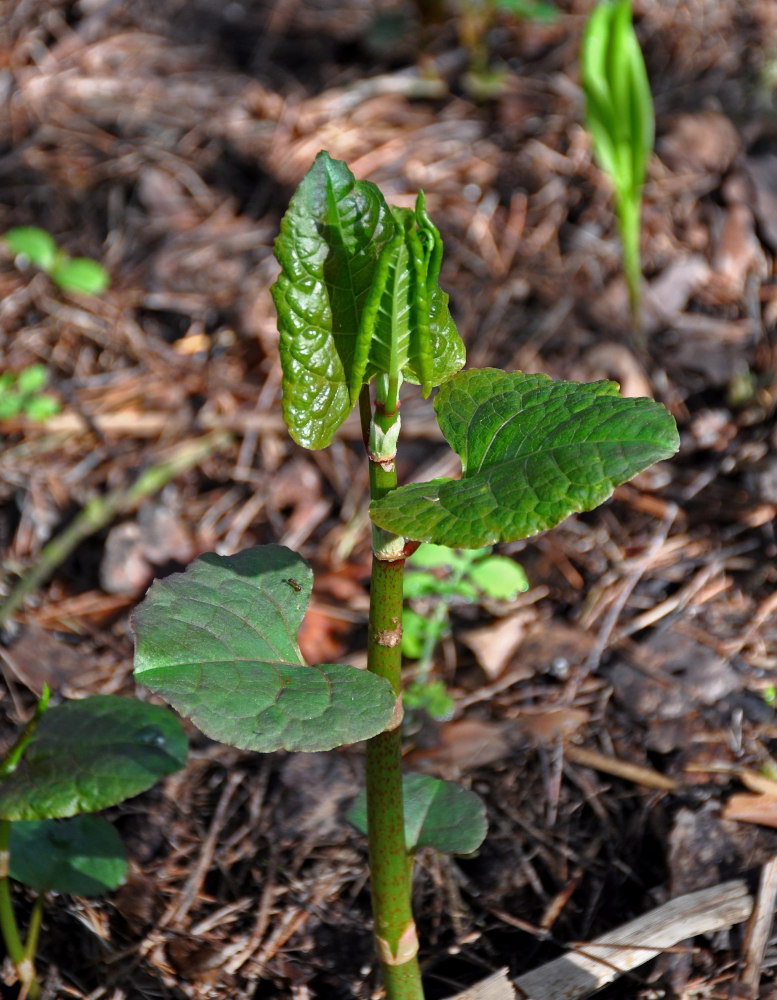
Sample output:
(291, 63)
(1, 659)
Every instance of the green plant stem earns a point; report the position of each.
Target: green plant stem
(629, 212)
(390, 869)
(9, 929)
(100, 511)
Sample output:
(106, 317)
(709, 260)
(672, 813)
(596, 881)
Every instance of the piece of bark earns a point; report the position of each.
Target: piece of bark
(580, 973)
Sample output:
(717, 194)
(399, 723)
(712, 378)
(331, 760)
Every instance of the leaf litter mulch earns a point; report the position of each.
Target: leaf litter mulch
(616, 718)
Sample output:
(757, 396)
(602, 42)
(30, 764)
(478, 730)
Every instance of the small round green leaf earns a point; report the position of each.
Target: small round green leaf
(533, 450)
(32, 244)
(499, 577)
(218, 642)
(438, 814)
(90, 754)
(31, 379)
(83, 855)
(81, 275)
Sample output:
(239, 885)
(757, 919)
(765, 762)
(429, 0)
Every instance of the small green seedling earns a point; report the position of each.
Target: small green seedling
(619, 116)
(35, 247)
(439, 577)
(71, 760)
(23, 394)
(358, 303)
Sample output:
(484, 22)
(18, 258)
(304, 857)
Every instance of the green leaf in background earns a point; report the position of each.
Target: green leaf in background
(533, 450)
(36, 245)
(532, 10)
(90, 754)
(31, 379)
(357, 296)
(330, 241)
(499, 577)
(414, 630)
(432, 697)
(80, 274)
(41, 408)
(83, 855)
(219, 643)
(438, 814)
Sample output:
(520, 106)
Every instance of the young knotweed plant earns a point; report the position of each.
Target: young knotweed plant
(68, 762)
(619, 116)
(358, 301)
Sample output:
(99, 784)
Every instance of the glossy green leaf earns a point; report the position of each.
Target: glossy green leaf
(219, 643)
(438, 814)
(533, 450)
(329, 245)
(357, 296)
(34, 244)
(83, 855)
(80, 274)
(90, 754)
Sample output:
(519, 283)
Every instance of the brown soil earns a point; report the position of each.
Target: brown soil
(165, 139)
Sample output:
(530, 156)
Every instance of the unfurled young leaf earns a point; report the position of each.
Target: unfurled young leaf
(532, 450)
(357, 296)
(219, 643)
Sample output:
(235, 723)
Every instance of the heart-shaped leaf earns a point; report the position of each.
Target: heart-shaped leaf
(219, 643)
(83, 855)
(90, 754)
(438, 814)
(532, 450)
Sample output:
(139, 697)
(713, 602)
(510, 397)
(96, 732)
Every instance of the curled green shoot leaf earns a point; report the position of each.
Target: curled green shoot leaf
(357, 297)
(619, 117)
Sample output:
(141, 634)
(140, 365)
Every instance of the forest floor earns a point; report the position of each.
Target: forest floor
(165, 139)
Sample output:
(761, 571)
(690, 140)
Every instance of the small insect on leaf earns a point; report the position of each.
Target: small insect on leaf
(293, 584)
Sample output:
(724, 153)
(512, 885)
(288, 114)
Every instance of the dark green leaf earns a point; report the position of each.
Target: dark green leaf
(438, 814)
(87, 755)
(219, 643)
(533, 451)
(83, 855)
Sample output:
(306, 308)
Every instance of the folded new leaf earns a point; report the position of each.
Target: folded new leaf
(357, 296)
